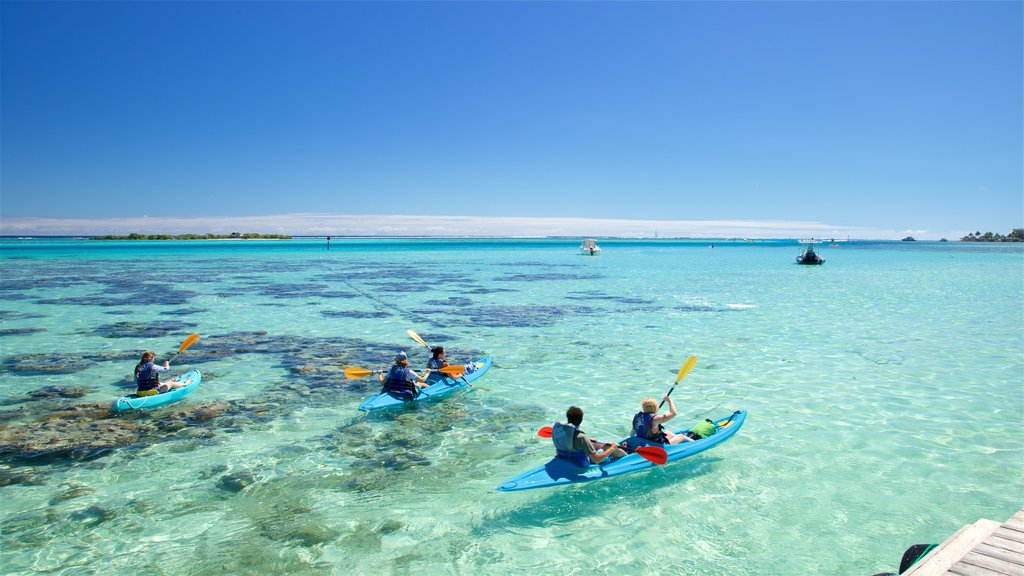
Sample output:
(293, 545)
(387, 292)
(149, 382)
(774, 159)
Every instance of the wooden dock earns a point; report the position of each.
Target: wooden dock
(985, 548)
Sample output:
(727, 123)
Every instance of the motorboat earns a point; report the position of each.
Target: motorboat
(589, 247)
(809, 256)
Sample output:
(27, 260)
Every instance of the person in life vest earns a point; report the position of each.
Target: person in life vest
(147, 377)
(436, 362)
(400, 380)
(574, 445)
(649, 425)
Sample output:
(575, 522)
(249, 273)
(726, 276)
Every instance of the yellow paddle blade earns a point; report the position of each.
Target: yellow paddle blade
(357, 372)
(416, 337)
(685, 369)
(188, 342)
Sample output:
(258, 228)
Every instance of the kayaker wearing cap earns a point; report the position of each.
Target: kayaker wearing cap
(400, 380)
(574, 445)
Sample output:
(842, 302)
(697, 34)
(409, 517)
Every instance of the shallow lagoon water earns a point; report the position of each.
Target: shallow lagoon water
(885, 393)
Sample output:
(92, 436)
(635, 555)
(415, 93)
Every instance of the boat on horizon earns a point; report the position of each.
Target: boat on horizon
(589, 247)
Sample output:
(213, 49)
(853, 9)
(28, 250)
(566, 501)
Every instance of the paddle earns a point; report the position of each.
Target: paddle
(453, 370)
(655, 454)
(417, 338)
(184, 346)
(456, 371)
(357, 372)
(683, 371)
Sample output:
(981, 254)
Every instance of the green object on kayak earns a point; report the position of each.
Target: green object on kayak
(559, 472)
(441, 387)
(134, 402)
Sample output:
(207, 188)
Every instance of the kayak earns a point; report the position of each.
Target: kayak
(442, 387)
(134, 402)
(558, 471)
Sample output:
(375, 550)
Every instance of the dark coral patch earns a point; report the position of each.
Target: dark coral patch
(185, 311)
(12, 315)
(141, 329)
(353, 314)
(37, 364)
(292, 290)
(20, 331)
(452, 301)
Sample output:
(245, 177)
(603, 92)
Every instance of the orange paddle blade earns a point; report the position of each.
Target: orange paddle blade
(655, 454)
(188, 342)
(544, 432)
(455, 370)
(357, 372)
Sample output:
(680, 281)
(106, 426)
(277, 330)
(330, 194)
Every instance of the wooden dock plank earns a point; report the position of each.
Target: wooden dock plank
(971, 570)
(996, 565)
(1010, 534)
(1000, 554)
(1010, 545)
(1015, 523)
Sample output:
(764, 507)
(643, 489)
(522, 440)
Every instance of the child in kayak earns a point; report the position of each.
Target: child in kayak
(400, 380)
(147, 377)
(649, 425)
(574, 445)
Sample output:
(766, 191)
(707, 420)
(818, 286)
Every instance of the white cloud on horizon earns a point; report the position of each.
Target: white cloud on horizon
(454, 226)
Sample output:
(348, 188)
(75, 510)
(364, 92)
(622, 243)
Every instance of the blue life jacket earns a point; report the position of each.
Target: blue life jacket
(436, 363)
(399, 382)
(564, 435)
(642, 428)
(146, 378)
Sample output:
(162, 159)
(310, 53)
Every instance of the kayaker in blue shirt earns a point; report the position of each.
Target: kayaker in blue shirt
(400, 380)
(649, 425)
(438, 360)
(574, 445)
(147, 377)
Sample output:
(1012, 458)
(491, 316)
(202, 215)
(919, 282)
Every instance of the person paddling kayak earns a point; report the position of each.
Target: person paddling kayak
(400, 381)
(437, 361)
(574, 445)
(147, 378)
(649, 425)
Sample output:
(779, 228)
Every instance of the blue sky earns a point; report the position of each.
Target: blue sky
(880, 118)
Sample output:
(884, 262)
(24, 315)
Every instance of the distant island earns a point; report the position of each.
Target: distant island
(232, 236)
(1017, 235)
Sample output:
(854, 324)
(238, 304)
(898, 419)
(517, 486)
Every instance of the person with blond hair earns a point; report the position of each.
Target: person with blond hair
(649, 425)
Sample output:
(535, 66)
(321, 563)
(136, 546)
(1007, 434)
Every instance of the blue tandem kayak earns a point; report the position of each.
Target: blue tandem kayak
(441, 387)
(558, 471)
(134, 402)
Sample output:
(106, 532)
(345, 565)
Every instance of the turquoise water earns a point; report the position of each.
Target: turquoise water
(885, 393)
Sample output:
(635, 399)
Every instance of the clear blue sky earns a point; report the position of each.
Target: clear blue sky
(887, 115)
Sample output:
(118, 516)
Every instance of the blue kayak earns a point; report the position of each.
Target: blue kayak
(443, 386)
(558, 471)
(134, 402)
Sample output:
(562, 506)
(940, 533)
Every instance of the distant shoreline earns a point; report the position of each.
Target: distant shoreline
(233, 236)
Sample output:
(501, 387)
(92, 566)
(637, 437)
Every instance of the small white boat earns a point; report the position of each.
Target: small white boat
(589, 247)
